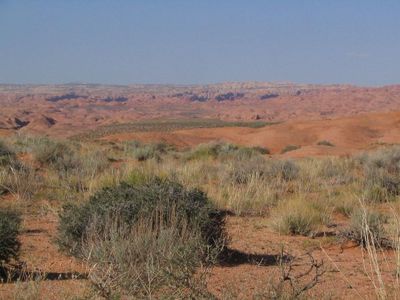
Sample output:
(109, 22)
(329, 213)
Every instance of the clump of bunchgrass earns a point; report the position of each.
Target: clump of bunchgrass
(298, 216)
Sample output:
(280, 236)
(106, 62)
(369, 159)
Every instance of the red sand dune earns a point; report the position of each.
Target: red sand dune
(348, 134)
(345, 115)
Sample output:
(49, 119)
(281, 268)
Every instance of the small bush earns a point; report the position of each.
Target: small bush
(379, 185)
(10, 222)
(325, 143)
(298, 217)
(367, 228)
(6, 154)
(240, 171)
(58, 155)
(284, 169)
(132, 201)
(144, 152)
(381, 171)
(151, 237)
(261, 150)
(211, 151)
(289, 148)
(337, 171)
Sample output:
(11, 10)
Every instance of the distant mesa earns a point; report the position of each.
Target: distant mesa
(269, 96)
(115, 99)
(199, 98)
(69, 96)
(229, 96)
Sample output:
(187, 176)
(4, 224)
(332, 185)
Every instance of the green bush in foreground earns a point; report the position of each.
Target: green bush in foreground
(157, 255)
(151, 236)
(10, 222)
(130, 202)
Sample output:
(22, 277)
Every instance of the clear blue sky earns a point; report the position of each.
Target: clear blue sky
(200, 41)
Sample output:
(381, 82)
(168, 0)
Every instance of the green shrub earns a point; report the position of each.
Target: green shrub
(211, 150)
(325, 143)
(6, 154)
(337, 171)
(289, 148)
(224, 151)
(284, 169)
(261, 150)
(157, 255)
(240, 171)
(298, 217)
(10, 222)
(381, 170)
(132, 201)
(144, 152)
(58, 155)
(152, 236)
(367, 228)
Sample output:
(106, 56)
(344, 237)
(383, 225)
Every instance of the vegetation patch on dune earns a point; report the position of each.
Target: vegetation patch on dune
(165, 126)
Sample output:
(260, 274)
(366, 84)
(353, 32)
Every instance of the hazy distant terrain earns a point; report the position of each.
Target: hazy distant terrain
(72, 108)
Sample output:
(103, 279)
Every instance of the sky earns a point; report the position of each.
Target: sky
(200, 41)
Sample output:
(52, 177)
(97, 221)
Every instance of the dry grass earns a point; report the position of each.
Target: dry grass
(295, 197)
(299, 216)
(156, 256)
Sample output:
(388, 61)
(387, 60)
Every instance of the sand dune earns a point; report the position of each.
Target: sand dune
(348, 134)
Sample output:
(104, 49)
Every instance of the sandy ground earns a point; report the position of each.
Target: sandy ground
(248, 274)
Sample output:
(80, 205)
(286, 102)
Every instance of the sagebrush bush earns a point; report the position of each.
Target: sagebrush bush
(367, 227)
(381, 174)
(337, 171)
(157, 255)
(261, 150)
(284, 169)
(210, 151)
(6, 154)
(10, 223)
(143, 152)
(132, 201)
(224, 151)
(289, 148)
(240, 171)
(325, 143)
(58, 155)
